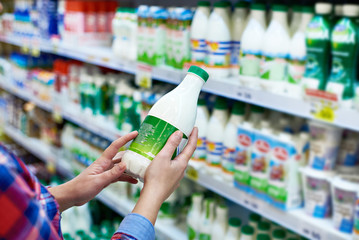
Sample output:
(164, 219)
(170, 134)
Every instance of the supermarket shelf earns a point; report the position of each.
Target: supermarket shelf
(120, 205)
(295, 220)
(70, 112)
(228, 87)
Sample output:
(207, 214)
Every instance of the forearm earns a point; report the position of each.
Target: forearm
(148, 205)
(64, 194)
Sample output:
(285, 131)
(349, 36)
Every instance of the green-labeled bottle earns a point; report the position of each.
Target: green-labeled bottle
(174, 111)
(344, 45)
(318, 47)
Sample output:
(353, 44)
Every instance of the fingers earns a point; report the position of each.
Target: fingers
(127, 178)
(113, 174)
(187, 152)
(111, 151)
(171, 145)
(118, 157)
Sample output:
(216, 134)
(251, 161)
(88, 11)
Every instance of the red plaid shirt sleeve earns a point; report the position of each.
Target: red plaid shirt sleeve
(27, 209)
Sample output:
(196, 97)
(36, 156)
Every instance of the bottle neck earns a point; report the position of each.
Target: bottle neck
(236, 119)
(280, 17)
(233, 230)
(191, 84)
(306, 18)
(240, 12)
(204, 10)
(221, 114)
(259, 16)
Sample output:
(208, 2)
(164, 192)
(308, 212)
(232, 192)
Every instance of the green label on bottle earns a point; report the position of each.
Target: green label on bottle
(191, 233)
(250, 63)
(344, 51)
(274, 68)
(204, 236)
(317, 43)
(152, 137)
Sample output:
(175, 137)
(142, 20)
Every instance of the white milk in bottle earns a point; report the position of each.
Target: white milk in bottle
(215, 135)
(219, 228)
(174, 111)
(230, 141)
(296, 19)
(199, 32)
(218, 41)
(298, 54)
(206, 221)
(275, 51)
(238, 23)
(251, 46)
(194, 216)
(201, 123)
(233, 232)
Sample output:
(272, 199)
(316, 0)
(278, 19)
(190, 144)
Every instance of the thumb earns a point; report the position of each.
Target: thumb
(171, 145)
(114, 173)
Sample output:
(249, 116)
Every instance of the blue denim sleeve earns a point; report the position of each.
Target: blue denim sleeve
(135, 226)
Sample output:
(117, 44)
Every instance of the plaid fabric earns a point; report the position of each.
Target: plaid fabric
(27, 209)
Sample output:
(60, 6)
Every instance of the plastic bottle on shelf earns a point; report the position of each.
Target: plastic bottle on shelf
(263, 237)
(238, 23)
(296, 19)
(318, 48)
(347, 161)
(247, 233)
(219, 227)
(230, 141)
(275, 52)
(206, 221)
(256, 116)
(234, 227)
(174, 111)
(251, 44)
(298, 54)
(202, 125)
(263, 228)
(101, 89)
(344, 43)
(279, 234)
(254, 220)
(218, 40)
(194, 217)
(215, 135)
(199, 28)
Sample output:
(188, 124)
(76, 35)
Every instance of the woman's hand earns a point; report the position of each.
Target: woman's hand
(163, 175)
(104, 171)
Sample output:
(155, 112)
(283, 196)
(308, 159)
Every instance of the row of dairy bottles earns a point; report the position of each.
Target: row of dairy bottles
(208, 220)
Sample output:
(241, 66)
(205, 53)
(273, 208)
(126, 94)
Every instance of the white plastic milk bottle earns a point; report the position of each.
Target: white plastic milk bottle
(298, 54)
(199, 31)
(239, 21)
(233, 229)
(296, 19)
(206, 221)
(219, 227)
(174, 111)
(202, 125)
(251, 45)
(230, 141)
(218, 41)
(275, 52)
(215, 135)
(194, 216)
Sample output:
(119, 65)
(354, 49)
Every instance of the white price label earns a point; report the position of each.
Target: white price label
(144, 75)
(311, 231)
(244, 94)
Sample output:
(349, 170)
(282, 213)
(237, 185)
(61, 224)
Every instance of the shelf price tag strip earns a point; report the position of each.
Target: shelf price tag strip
(323, 105)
